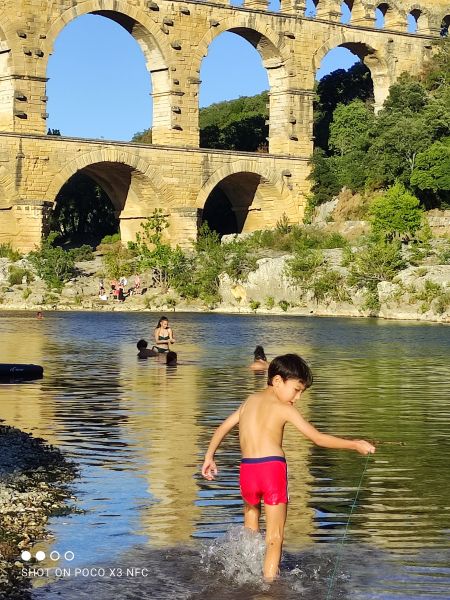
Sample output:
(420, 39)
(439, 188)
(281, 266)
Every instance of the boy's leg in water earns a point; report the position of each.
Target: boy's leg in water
(251, 516)
(275, 520)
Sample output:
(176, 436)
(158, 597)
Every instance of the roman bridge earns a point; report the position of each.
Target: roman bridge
(174, 173)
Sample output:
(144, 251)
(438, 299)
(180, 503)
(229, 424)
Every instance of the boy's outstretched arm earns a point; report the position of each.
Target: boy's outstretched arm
(323, 439)
(209, 469)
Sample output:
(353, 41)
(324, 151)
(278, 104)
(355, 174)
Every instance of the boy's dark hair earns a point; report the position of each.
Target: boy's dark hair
(171, 358)
(142, 344)
(290, 366)
(259, 353)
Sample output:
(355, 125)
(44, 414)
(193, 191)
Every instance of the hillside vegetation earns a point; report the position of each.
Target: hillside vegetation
(407, 141)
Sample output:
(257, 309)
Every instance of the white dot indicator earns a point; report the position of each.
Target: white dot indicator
(54, 555)
(25, 555)
(69, 555)
(40, 555)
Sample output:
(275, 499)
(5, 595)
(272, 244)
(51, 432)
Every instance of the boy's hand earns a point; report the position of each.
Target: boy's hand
(209, 469)
(364, 447)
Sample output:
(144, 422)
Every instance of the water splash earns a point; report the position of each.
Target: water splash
(238, 554)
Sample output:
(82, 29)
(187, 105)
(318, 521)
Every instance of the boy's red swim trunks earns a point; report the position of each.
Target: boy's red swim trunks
(264, 478)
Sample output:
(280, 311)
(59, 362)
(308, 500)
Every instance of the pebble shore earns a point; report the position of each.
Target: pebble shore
(34, 484)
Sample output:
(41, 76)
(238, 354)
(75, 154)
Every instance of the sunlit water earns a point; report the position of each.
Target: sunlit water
(139, 431)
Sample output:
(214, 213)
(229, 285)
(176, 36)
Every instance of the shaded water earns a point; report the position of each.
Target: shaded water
(139, 431)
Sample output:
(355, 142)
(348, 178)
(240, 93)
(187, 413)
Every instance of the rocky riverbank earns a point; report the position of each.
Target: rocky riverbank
(421, 291)
(34, 484)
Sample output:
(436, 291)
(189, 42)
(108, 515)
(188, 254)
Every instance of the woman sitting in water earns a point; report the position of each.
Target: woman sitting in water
(163, 335)
(260, 363)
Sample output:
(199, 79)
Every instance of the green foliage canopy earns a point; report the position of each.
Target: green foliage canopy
(432, 170)
(396, 213)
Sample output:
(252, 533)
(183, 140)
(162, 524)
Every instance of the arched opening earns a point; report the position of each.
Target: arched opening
(311, 8)
(380, 15)
(83, 212)
(108, 92)
(132, 194)
(242, 202)
(413, 20)
(346, 11)
(342, 77)
(445, 25)
(233, 104)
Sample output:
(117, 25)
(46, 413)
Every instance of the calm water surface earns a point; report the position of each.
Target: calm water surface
(139, 432)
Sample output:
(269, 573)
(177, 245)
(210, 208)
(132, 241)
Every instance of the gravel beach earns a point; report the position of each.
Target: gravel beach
(34, 484)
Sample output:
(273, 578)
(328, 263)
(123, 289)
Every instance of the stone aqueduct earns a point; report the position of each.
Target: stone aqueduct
(174, 173)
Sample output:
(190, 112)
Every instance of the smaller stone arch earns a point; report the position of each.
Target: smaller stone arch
(421, 17)
(394, 16)
(349, 5)
(248, 197)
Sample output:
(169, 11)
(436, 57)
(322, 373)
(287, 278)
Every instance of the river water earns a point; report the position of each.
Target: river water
(148, 526)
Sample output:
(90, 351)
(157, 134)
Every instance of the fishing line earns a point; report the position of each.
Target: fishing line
(330, 586)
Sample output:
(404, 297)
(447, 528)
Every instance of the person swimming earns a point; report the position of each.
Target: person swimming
(144, 352)
(260, 361)
(163, 336)
(171, 359)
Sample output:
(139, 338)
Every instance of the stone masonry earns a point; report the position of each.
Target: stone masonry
(174, 173)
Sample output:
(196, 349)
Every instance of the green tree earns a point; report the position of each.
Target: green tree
(143, 137)
(406, 95)
(377, 261)
(432, 172)
(351, 127)
(324, 176)
(339, 87)
(153, 254)
(396, 213)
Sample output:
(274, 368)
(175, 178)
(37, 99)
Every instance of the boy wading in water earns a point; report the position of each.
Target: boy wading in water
(263, 472)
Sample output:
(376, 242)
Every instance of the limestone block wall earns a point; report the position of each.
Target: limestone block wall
(140, 178)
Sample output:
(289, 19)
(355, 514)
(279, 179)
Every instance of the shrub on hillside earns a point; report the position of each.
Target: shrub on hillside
(84, 252)
(17, 274)
(6, 251)
(53, 264)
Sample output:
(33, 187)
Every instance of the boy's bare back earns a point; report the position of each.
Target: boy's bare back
(261, 425)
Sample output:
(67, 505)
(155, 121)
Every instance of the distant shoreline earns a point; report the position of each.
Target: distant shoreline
(227, 310)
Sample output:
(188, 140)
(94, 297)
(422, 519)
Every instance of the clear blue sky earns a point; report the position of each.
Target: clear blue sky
(99, 85)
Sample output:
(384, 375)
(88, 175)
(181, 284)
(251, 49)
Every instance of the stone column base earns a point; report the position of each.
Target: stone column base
(183, 225)
(29, 220)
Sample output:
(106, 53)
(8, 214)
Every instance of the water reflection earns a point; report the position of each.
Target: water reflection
(139, 430)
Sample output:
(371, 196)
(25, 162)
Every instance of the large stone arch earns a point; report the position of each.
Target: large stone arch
(133, 186)
(147, 34)
(275, 56)
(381, 71)
(250, 188)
